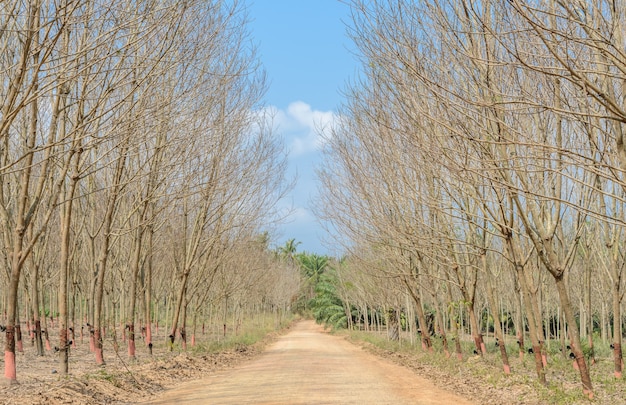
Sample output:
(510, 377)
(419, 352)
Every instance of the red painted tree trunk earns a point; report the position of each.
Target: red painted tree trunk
(476, 334)
(10, 371)
(148, 334)
(617, 359)
(131, 341)
(97, 337)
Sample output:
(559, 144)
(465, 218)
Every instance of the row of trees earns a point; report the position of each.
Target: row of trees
(134, 165)
(482, 153)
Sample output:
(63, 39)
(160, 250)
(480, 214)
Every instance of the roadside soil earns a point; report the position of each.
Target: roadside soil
(121, 380)
(302, 364)
(308, 366)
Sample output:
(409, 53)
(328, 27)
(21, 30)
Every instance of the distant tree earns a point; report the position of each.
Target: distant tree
(288, 250)
(327, 307)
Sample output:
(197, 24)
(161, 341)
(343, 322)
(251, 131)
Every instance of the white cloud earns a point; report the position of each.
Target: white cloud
(304, 131)
(301, 126)
(302, 215)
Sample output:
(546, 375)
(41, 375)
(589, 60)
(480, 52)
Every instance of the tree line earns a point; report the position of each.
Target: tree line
(138, 173)
(479, 164)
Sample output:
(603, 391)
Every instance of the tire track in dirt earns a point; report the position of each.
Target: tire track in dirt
(309, 366)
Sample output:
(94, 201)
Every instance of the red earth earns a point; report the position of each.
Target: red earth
(308, 366)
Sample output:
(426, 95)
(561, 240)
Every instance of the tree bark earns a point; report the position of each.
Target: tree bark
(532, 325)
(423, 330)
(498, 328)
(617, 331)
(177, 311)
(574, 336)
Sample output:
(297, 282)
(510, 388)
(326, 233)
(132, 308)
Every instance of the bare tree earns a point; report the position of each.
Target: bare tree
(522, 139)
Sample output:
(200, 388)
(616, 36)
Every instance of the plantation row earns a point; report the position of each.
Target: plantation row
(139, 176)
(479, 166)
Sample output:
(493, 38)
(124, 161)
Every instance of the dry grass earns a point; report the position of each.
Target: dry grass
(481, 378)
(126, 381)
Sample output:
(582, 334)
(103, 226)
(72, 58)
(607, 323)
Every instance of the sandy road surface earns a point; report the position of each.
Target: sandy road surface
(308, 366)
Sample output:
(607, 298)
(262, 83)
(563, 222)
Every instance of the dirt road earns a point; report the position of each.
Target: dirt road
(308, 366)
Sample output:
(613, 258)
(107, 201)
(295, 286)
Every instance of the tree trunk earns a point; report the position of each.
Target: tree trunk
(36, 311)
(476, 333)
(134, 270)
(393, 328)
(532, 326)
(442, 331)
(64, 270)
(536, 316)
(104, 250)
(19, 343)
(179, 306)
(183, 328)
(455, 329)
(500, 342)
(617, 331)
(574, 336)
(148, 291)
(10, 370)
(366, 318)
(423, 330)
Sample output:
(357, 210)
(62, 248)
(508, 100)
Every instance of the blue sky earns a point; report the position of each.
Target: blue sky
(305, 51)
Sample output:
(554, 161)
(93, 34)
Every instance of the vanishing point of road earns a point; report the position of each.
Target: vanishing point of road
(309, 366)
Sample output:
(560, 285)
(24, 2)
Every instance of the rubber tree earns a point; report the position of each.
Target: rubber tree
(30, 183)
(233, 169)
(591, 29)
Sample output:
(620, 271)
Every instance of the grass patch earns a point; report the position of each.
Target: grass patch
(486, 372)
(251, 332)
(105, 375)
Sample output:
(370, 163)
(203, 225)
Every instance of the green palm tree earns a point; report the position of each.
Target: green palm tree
(288, 251)
(313, 266)
(326, 305)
